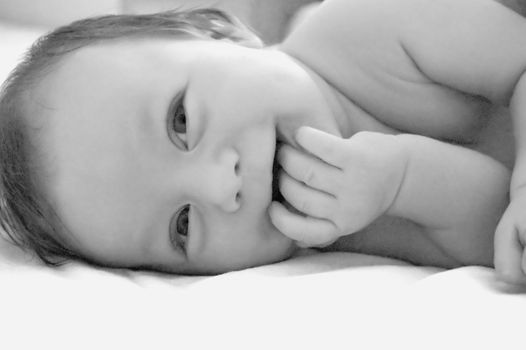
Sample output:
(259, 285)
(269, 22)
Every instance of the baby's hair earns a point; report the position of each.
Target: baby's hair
(25, 216)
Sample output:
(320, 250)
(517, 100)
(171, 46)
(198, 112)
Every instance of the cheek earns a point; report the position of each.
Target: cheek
(238, 249)
(247, 91)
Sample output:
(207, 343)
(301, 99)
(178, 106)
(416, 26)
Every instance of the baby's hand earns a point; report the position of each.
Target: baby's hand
(510, 240)
(339, 186)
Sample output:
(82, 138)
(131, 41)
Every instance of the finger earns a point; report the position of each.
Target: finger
(303, 244)
(508, 252)
(326, 244)
(307, 169)
(305, 199)
(322, 245)
(321, 144)
(309, 230)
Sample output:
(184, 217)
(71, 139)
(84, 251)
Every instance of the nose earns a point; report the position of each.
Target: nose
(221, 186)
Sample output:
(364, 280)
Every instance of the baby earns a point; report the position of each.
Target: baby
(153, 141)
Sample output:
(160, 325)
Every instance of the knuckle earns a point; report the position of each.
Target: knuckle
(282, 182)
(332, 151)
(304, 206)
(287, 189)
(368, 143)
(365, 136)
(360, 138)
(285, 157)
(310, 176)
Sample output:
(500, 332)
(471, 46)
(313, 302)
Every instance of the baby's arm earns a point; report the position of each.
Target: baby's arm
(343, 185)
(475, 46)
(456, 194)
(478, 47)
(510, 236)
(482, 51)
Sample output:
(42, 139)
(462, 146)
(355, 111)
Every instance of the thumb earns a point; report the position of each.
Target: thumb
(508, 251)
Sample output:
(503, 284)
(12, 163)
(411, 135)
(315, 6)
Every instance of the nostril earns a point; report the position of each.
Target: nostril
(236, 167)
(238, 197)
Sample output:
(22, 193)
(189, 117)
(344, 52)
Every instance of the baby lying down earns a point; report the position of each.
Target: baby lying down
(177, 142)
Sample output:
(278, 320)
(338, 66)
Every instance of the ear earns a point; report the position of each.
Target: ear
(236, 32)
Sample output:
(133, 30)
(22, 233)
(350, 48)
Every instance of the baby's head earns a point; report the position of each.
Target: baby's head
(148, 142)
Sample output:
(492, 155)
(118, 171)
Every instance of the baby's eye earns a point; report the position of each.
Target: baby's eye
(179, 121)
(178, 124)
(179, 231)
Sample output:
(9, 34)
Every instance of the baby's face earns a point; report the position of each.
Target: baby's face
(160, 151)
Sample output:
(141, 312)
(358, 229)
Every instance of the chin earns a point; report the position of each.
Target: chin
(218, 268)
(281, 253)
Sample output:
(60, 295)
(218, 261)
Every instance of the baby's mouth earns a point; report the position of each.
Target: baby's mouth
(276, 194)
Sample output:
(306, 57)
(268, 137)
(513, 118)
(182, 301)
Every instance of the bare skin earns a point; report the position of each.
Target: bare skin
(348, 68)
(393, 79)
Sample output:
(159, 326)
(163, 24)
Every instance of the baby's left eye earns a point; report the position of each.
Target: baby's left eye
(179, 228)
(179, 120)
(178, 123)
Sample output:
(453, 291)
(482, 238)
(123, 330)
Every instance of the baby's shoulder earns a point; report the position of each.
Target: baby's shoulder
(384, 18)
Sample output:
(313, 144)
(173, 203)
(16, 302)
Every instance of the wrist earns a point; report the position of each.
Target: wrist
(392, 156)
(518, 178)
(401, 149)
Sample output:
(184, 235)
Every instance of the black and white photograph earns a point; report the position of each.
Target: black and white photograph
(262, 174)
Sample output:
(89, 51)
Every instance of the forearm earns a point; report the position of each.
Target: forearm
(518, 113)
(456, 194)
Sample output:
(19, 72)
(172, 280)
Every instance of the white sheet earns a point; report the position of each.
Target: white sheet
(339, 299)
(333, 300)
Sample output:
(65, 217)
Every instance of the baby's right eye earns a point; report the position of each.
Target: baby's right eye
(179, 122)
